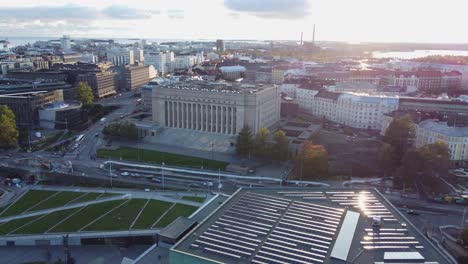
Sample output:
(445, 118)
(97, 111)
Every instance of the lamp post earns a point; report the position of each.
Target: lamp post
(110, 171)
(162, 174)
(463, 218)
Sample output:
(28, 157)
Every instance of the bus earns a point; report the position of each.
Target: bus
(79, 138)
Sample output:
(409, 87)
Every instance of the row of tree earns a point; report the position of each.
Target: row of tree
(125, 129)
(8, 131)
(398, 156)
(261, 146)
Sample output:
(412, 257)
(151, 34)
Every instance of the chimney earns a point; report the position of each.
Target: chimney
(313, 36)
(301, 37)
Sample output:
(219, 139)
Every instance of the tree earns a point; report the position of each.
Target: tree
(436, 158)
(312, 161)
(412, 165)
(400, 135)
(387, 159)
(8, 131)
(125, 129)
(464, 236)
(281, 146)
(85, 94)
(244, 142)
(261, 146)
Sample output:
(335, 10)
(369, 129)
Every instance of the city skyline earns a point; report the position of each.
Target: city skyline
(337, 20)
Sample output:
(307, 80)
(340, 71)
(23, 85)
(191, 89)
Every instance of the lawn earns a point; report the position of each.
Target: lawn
(151, 213)
(13, 224)
(176, 211)
(119, 219)
(58, 200)
(159, 157)
(30, 199)
(45, 223)
(107, 195)
(85, 216)
(86, 197)
(197, 199)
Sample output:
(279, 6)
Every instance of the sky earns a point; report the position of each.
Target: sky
(442, 21)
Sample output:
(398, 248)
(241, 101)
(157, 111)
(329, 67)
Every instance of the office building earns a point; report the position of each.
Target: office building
(163, 62)
(103, 84)
(433, 105)
(65, 43)
(26, 106)
(170, 62)
(215, 107)
(291, 225)
(7, 66)
(120, 56)
(277, 73)
(361, 111)
(425, 80)
(9, 86)
(71, 58)
(232, 73)
(139, 55)
(136, 76)
(60, 115)
(220, 47)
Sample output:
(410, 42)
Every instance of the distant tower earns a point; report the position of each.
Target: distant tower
(65, 43)
(302, 34)
(220, 45)
(313, 36)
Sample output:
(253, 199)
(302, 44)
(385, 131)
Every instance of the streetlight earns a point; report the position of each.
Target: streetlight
(162, 174)
(463, 218)
(212, 153)
(219, 180)
(110, 171)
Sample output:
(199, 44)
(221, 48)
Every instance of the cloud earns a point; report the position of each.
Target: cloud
(282, 9)
(124, 12)
(69, 12)
(73, 13)
(175, 13)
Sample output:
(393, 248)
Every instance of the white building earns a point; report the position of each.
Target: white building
(4, 45)
(162, 62)
(351, 109)
(138, 54)
(65, 43)
(170, 62)
(89, 58)
(364, 111)
(153, 73)
(120, 56)
(430, 131)
(187, 61)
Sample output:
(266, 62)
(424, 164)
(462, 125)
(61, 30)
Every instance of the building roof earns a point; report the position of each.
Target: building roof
(177, 228)
(61, 105)
(236, 68)
(366, 98)
(443, 128)
(292, 225)
(328, 95)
